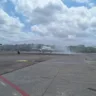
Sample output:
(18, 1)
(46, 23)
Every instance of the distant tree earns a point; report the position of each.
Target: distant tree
(83, 49)
(39, 46)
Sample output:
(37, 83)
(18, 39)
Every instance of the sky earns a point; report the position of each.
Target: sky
(65, 22)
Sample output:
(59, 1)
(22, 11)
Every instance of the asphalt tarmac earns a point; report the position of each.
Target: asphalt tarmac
(66, 75)
(11, 62)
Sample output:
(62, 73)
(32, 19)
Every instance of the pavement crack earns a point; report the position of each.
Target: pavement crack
(92, 89)
(50, 83)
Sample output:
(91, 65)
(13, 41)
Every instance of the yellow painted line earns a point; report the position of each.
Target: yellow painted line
(21, 60)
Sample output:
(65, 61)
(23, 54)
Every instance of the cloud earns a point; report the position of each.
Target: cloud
(66, 24)
(45, 15)
(39, 11)
(51, 19)
(10, 28)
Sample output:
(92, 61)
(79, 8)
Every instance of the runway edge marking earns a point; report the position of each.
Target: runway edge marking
(23, 93)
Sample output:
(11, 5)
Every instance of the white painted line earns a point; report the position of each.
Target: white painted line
(3, 83)
(15, 94)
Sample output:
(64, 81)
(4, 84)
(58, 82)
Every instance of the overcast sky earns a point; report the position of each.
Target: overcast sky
(48, 21)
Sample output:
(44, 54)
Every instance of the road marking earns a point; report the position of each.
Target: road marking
(16, 94)
(21, 60)
(3, 83)
(23, 93)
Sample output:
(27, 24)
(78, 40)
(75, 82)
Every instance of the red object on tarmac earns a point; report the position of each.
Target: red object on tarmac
(11, 85)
